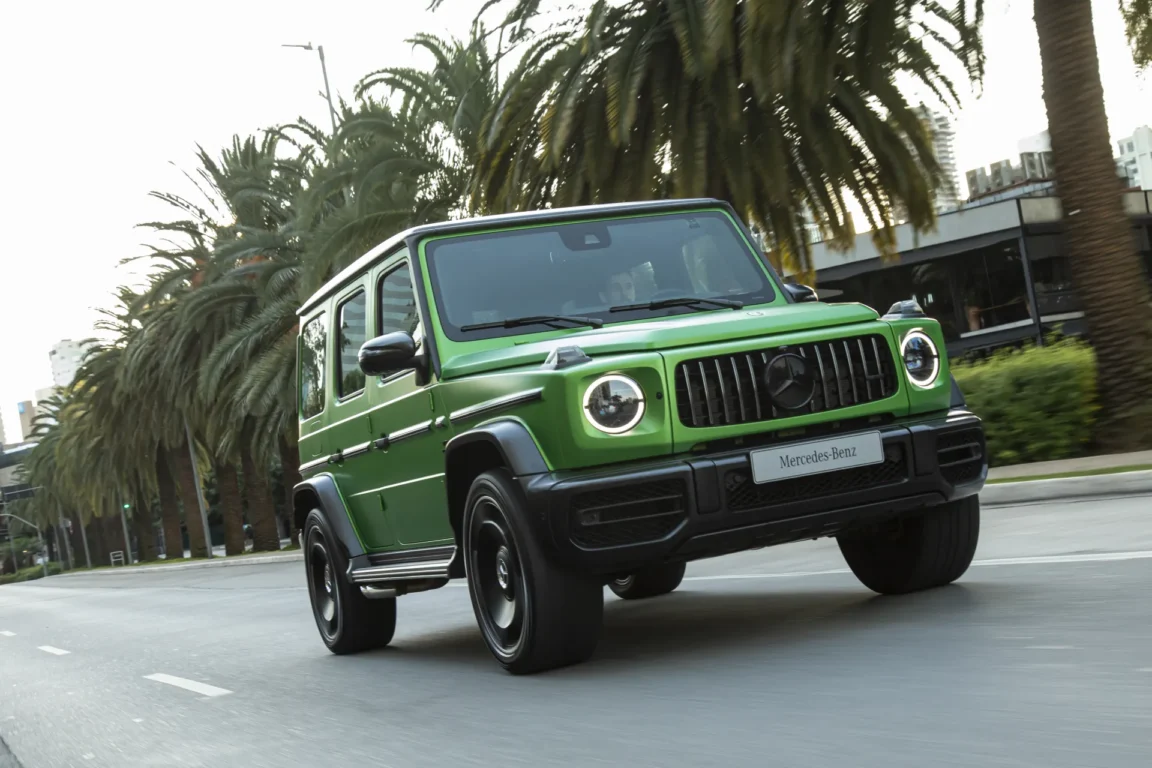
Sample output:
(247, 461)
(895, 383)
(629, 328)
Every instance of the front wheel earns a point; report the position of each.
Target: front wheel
(929, 550)
(534, 615)
(652, 581)
(348, 621)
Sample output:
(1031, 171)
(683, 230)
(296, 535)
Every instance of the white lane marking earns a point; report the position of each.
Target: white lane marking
(6, 633)
(1049, 647)
(1090, 557)
(54, 651)
(1093, 557)
(189, 685)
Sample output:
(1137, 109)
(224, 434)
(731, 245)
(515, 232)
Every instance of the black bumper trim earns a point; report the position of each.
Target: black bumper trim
(564, 506)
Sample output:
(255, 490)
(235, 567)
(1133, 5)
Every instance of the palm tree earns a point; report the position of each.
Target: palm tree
(779, 108)
(1104, 261)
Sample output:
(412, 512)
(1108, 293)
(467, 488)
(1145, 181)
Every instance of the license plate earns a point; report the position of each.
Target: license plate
(812, 457)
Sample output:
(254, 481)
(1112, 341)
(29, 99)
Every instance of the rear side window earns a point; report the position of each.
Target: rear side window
(397, 302)
(353, 330)
(313, 339)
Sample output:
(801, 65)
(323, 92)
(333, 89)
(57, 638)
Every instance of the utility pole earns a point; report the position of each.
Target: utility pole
(327, 92)
(67, 548)
(127, 540)
(84, 538)
(199, 487)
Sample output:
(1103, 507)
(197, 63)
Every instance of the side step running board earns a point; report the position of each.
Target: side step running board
(402, 571)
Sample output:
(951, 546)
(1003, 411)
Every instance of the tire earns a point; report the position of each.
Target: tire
(652, 581)
(930, 550)
(348, 621)
(533, 614)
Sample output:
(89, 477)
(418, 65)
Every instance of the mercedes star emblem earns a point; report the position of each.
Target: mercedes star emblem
(790, 383)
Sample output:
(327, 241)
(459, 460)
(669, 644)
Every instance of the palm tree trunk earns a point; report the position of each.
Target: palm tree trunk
(1101, 250)
(290, 469)
(169, 509)
(145, 531)
(96, 539)
(80, 541)
(261, 511)
(190, 501)
(231, 507)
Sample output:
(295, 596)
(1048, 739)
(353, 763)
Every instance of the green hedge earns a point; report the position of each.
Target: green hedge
(30, 574)
(1037, 403)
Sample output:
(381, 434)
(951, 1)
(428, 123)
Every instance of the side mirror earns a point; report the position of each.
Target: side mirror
(801, 292)
(387, 353)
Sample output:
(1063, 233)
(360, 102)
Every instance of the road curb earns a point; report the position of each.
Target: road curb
(1064, 488)
(222, 562)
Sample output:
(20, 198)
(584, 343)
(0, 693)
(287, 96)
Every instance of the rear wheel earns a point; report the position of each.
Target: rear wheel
(348, 621)
(652, 581)
(926, 551)
(534, 614)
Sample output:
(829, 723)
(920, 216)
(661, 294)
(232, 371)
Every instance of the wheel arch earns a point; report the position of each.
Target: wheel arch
(321, 493)
(505, 443)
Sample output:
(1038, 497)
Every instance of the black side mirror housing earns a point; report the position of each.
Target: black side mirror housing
(388, 353)
(800, 292)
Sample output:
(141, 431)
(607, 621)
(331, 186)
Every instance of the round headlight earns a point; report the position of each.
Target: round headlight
(614, 404)
(921, 360)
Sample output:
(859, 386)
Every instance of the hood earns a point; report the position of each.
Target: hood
(685, 330)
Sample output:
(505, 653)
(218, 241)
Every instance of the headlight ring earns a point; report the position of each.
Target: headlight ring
(614, 404)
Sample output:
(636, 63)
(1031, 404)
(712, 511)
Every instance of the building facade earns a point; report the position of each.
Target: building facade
(1135, 159)
(66, 356)
(27, 413)
(943, 137)
(993, 274)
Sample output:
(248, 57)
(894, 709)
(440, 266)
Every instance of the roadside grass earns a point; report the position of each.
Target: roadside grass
(1074, 473)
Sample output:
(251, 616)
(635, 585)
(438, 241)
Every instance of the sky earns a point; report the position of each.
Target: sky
(105, 102)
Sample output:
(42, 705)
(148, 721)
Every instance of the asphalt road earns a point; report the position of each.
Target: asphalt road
(1040, 656)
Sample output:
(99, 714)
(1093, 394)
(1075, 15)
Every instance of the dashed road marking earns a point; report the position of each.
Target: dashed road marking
(6, 633)
(189, 685)
(53, 650)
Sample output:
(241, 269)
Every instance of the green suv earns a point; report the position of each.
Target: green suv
(548, 403)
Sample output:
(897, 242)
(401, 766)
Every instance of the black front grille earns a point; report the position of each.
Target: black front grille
(730, 389)
(960, 455)
(743, 493)
(630, 514)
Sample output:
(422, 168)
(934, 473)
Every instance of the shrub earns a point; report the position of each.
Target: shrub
(1037, 403)
(30, 574)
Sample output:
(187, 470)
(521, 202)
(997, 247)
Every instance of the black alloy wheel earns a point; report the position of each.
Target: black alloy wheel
(533, 613)
(348, 621)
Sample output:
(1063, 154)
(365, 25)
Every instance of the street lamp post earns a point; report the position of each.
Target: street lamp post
(12, 541)
(327, 94)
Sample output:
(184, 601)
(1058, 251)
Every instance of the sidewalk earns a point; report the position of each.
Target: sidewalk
(1064, 466)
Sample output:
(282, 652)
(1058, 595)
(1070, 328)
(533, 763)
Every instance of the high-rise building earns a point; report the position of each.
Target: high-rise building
(1135, 159)
(943, 138)
(3, 439)
(66, 356)
(26, 412)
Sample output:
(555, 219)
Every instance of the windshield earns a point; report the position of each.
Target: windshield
(587, 269)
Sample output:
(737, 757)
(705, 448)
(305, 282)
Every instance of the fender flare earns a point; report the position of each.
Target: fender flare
(510, 438)
(321, 492)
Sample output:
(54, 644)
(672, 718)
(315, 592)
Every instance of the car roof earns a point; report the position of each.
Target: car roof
(542, 216)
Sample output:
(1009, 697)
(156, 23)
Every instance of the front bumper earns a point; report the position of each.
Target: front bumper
(667, 510)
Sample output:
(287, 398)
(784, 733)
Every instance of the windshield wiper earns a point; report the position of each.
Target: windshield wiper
(552, 320)
(680, 301)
